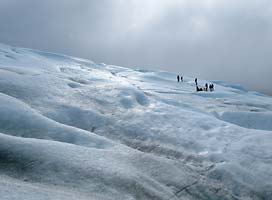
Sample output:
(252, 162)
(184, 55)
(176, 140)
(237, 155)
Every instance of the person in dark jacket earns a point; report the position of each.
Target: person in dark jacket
(211, 87)
(178, 77)
(206, 87)
(181, 78)
(199, 89)
(196, 81)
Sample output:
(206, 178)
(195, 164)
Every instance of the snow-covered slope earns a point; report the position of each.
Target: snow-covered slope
(74, 129)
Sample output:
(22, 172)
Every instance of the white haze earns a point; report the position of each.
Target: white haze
(211, 39)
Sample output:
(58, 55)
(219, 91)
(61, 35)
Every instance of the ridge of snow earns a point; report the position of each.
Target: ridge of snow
(72, 128)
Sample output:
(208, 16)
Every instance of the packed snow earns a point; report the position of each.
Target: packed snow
(74, 129)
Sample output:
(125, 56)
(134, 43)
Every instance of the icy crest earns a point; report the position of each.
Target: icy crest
(74, 129)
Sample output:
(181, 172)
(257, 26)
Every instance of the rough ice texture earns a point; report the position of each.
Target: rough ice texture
(74, 129)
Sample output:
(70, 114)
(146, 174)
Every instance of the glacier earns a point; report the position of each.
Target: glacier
(71, 128)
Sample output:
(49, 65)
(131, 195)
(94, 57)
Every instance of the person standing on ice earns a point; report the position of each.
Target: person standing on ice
(196, 81)
(212, 87)
(206, 87)
(178, 77)
(181, 78)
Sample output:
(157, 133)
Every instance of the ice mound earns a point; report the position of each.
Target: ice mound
(74, 129)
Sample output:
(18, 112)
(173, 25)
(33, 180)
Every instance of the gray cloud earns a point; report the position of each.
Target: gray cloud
(228, 39)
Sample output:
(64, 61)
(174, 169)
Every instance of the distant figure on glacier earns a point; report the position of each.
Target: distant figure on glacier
(181, 78)
(211, 87)
(199, 89)
(178, 77)
(196, 81)
(206, 87)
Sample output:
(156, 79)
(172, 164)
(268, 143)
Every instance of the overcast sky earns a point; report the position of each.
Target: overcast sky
(211, 39)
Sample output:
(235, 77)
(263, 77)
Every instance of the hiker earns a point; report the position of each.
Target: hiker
(206, 87)
(198, 89)
(181, 78)
(211, 87)
(178, 77)
(196, 81)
